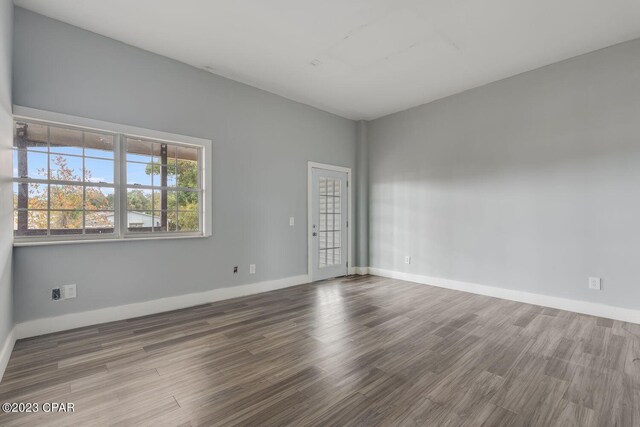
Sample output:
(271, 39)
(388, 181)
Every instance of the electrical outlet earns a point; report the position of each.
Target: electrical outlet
(595, 283)
(407, 259)
(235, 270)
(69, 291)
(292, 221)
(252, 269)
(56, 294)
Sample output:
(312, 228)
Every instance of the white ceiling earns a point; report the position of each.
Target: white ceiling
(360, 59)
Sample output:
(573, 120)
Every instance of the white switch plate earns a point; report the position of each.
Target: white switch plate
(69, 291)
(407, 259)
(595, 283)
(292, 221)
(252, 269)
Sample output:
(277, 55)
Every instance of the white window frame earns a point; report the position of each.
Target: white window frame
(121, 132)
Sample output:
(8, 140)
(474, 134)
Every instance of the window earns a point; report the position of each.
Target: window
(77, 183)
(163, 191)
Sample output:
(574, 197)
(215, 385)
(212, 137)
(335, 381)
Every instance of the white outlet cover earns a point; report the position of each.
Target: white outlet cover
(69, 291)
(407, 259)
(252, 269)
(292, 221)
(595, 283)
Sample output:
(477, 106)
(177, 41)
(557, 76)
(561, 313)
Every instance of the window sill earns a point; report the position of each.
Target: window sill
(24, 243)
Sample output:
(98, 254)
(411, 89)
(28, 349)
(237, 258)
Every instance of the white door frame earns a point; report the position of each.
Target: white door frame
(314, 165)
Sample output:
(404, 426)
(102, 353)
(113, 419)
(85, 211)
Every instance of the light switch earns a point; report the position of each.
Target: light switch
(292, 221)
(69, 291)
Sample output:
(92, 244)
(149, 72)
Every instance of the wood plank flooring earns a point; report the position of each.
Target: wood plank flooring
(355, 351)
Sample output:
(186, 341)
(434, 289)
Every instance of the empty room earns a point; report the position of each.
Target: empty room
(320, 213)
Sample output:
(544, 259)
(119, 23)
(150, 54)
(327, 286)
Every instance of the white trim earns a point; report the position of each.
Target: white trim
(205, 145)
(5, 353)
(361, 271)
(104, 240)
(311, 165)
(64, 322)
(577, 306)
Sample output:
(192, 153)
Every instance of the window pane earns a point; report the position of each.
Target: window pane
(171, 166)
(169, 159)
(172, 153)
(170, 196)
(66, 222)
(165, 221)
(156, 150)
(155, 170)
(99, 222)
(65, 141)
(139, 173)
(31, 136)
(79, 158)
(99, 198)
(172, 177)
(188, 200)
(65, 168)
(66, 197)
(140, 221)
(30, 223)
(30, 196)
(187, 174)
(188, 221)
(172, 221)
(29, 164)
(98, 145)
(138, 150)
(139, 200)
(98, 170)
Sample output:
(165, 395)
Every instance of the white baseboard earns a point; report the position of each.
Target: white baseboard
(65, 322)
(584, 307)
(361, 271)
(5, 353)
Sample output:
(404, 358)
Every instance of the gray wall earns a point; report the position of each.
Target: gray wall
(6, 136)
(261, 142)
(362, 199)
(531, 183)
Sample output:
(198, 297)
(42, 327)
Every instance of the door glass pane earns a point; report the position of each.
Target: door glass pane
(329, 221)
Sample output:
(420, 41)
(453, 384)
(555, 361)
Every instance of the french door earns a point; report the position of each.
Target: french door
(329, 224)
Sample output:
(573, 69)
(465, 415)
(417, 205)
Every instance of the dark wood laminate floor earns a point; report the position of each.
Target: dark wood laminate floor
(356, 351)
